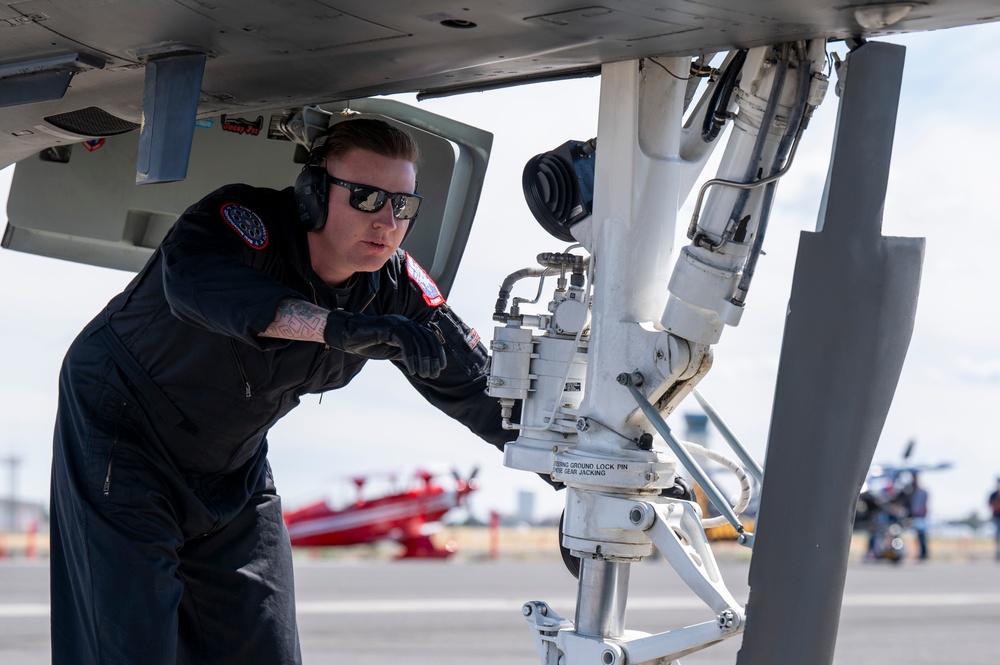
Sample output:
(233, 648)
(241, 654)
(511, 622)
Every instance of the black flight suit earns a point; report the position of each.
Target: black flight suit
(168, 544)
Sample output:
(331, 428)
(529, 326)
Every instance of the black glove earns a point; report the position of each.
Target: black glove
(387, 337)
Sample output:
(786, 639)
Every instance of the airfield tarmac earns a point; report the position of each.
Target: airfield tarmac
(363, 612)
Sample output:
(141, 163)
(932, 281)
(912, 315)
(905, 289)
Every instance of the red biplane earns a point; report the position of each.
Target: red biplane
(406, 515)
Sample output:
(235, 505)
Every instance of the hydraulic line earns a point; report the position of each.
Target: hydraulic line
(718, 109)
(508, 286)
(630, 381)
(741, 475)
(770, 113)
(793, 132)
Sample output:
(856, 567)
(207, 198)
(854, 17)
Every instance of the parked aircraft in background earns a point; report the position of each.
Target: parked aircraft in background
(889, 485)
(407, 513)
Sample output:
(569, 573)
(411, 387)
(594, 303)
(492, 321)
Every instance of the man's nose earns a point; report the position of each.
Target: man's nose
(384, 217)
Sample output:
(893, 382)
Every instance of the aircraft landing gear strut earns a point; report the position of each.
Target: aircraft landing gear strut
(615, 358)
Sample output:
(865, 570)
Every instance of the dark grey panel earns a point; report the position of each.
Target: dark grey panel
(849, 323)
(169, 110)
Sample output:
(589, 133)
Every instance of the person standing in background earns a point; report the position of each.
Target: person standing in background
(918, 515)
(995, 507)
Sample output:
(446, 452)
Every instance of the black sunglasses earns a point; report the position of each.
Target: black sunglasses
(372, 199)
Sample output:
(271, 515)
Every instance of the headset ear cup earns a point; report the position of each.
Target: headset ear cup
(311, 187)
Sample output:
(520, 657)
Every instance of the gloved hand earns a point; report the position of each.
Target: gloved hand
(390, 336)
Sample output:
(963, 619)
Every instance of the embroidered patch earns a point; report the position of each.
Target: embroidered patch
(247, 223)
(472, 338)
(430, 290)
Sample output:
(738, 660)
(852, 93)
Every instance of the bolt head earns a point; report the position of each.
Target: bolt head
(726, 619)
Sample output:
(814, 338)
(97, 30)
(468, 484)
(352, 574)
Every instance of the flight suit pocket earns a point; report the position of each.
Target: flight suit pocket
(461, 342)
(103, 446)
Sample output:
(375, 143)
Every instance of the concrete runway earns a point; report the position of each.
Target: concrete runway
(419, 613)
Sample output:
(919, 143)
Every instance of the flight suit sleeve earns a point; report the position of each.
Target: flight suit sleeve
(460, 389)
(215, 266)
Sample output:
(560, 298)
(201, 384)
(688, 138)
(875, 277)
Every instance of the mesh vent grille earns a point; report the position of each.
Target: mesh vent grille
(91, 121)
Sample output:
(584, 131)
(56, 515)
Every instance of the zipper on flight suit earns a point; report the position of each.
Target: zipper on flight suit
(239, 366)
(315, 301)
(336, 304)
(111, 455)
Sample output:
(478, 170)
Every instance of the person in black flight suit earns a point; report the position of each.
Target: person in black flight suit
(168, 544)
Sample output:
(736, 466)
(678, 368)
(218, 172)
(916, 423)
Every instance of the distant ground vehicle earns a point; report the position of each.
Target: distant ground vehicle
(884, 505)
(886, 538)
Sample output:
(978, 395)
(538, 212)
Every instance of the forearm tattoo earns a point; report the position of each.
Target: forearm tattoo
(298, 320)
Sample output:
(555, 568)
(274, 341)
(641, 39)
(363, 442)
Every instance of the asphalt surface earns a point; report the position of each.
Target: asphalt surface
(419, 613)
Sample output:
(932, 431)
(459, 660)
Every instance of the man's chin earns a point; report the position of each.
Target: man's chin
(376, 265)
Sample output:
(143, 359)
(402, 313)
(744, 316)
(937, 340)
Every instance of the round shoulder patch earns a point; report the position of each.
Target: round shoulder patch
(431, 292)
(247, 223)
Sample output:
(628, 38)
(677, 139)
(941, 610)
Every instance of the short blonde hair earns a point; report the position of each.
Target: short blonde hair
(377, 136)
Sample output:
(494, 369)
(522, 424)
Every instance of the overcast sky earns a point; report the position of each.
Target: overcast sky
(942, 187)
